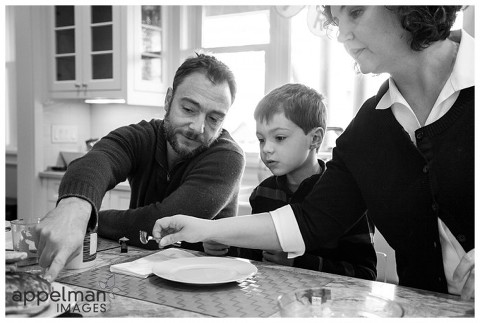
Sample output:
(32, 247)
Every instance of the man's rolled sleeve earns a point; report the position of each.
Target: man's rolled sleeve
(288, 231)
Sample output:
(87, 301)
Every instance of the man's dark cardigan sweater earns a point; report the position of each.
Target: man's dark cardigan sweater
(205, 186)
(405, 189)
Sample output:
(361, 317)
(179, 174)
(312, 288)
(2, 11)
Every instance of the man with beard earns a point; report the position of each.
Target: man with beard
(185, 163)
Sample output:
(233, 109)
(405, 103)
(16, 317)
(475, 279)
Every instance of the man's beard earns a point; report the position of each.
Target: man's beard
(184, 153)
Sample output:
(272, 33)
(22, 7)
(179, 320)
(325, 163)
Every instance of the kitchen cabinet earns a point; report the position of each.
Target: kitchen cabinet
(119, 199)
(108, 52)
(52, 193)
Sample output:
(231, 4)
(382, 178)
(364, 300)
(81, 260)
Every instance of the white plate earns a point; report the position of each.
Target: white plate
(204, 270)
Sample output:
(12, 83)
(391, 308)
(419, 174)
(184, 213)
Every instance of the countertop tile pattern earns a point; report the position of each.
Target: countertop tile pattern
(155, 297)
(253, 297)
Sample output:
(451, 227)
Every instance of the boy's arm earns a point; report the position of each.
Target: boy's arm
(253, 254)
(249, 231)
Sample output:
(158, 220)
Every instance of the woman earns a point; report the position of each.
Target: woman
(407, 158)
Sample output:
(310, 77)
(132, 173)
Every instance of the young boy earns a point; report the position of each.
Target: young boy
(290, 128)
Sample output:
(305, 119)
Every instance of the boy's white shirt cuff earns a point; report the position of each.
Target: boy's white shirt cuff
(288, 231)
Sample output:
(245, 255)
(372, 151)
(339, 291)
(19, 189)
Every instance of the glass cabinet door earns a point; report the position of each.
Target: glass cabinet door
(65, 38)
(102, 48)
(85, 48)
(151, 44)
(108, 52)
(101, 30)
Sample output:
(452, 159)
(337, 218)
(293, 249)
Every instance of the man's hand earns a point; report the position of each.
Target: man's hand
(215, 249)
(466, 268)
(278, 257)
(59, 235)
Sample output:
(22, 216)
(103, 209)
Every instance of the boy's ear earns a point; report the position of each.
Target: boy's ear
(316, 137)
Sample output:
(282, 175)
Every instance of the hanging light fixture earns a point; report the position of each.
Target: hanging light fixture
(316, 20)
(315, 17)
(288, 11)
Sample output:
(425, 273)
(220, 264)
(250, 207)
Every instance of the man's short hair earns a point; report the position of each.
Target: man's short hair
(216, 71)
(302, 105)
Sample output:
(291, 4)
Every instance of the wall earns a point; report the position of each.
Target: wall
(91, 121)
(10, 103)
(31, 89)
(102, 120)
(66, 112)
(469, 20)
(11, 177)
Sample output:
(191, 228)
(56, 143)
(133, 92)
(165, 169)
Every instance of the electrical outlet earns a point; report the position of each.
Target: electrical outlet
(64, 134)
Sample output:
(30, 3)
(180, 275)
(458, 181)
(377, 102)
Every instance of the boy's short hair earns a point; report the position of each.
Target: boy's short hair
(301, 104)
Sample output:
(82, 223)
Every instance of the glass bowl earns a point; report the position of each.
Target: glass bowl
(322, 302)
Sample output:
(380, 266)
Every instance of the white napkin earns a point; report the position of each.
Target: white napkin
(142, 267)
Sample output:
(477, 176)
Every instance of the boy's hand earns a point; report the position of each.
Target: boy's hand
(215, 249)
(278, 257)
(466, 268)
(179, 228)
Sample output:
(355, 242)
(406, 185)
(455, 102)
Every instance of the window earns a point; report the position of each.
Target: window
(10, 82)
(265, 50)
(243, 38)
(250, 90)
(323, 64)
(235, 26)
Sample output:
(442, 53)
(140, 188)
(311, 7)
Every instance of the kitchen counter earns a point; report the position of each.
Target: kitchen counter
(50, 174)
(129, 296)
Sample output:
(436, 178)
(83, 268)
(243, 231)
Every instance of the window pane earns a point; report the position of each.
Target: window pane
(340, 78)
(250, 80)
(151, 68)
(151, 40)
(307, 55)
(101, 14)
(323, 64)
(458, 21)
(102, 38)
(102, 66)
(65, 41)
(64, 16)
(152, 15)
(235, 29)
(65, 68)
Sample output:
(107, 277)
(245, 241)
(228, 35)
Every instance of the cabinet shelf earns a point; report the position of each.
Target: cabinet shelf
(147, 55)
(151, 27)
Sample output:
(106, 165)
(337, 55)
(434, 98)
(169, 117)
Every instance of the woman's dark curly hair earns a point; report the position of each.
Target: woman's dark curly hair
(426, 24)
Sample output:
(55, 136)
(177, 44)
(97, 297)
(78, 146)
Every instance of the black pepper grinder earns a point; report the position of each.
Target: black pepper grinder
(123, 244)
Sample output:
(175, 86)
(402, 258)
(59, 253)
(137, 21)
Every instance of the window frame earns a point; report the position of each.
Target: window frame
(277, 53)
